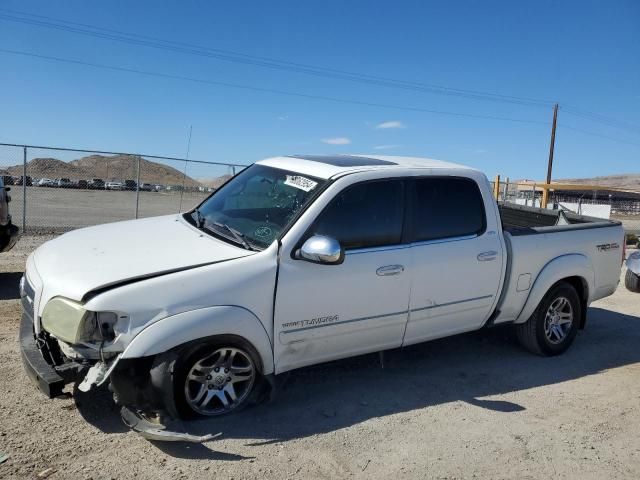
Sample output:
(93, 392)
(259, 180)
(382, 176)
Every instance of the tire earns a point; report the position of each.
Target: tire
(632, 281)
(216, 377)
(547, 332)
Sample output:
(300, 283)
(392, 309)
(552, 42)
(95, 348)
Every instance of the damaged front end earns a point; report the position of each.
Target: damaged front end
(142, 387)
(70, 347)
(69, 343)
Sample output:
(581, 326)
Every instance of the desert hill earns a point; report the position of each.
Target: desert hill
(629, 181)
(118, 167)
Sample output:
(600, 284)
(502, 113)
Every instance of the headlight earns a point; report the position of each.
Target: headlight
(70, 322)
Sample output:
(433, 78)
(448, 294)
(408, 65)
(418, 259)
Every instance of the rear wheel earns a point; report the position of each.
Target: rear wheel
(632, 281)
(216, 379)
(554, 324)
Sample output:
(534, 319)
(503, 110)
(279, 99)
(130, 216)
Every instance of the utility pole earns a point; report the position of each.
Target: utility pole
(186, 162)
(545, 192)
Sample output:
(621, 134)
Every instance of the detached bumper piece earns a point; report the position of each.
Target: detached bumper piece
(41, 373)
(159, 432)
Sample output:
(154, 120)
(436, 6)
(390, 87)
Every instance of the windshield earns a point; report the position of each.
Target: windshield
(255, 206)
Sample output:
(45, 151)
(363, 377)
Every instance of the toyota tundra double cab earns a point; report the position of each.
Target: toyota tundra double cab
(300, 260)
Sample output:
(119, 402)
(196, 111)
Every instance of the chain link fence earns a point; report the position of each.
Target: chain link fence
(54, 190)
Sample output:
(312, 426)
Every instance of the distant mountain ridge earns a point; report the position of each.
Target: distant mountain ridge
(630, 181)
(118, 167)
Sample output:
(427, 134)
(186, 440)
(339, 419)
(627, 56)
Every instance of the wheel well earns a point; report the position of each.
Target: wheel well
(146, 383)
(581, 286)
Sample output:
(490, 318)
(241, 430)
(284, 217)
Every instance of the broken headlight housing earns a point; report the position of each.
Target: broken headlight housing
(70, 322)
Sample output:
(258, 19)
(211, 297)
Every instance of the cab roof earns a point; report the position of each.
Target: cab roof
(327, 166)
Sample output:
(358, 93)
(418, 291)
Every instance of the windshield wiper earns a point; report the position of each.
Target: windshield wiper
(239, 237)
(199, 218)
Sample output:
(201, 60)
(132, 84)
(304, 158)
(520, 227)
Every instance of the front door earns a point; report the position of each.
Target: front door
(326, 312)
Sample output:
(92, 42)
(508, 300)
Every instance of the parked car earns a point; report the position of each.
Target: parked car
(130, 185)
(8, 231)
(298, 261)
(147, 187)
(20, 181)
(7, 179)
(45, 182)
(64, 183)
(81, 184)
(632, 277)
(96, 184)
(114, 185)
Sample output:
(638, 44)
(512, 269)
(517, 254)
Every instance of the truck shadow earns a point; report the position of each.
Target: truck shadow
(465, 368)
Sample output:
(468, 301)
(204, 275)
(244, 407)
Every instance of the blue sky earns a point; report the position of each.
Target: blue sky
(583, 54)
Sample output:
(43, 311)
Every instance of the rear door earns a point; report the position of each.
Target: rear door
(456, 258)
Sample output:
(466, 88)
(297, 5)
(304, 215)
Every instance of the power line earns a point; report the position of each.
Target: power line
(266, 62)
(270, 90)
(609, 121)
(588, 132)
(326, 72)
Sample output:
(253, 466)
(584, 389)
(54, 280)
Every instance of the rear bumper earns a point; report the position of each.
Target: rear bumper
(39, 371)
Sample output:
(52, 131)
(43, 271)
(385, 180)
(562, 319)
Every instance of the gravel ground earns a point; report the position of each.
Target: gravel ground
(471, 406)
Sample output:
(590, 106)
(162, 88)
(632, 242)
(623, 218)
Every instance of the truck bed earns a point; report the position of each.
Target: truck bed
(535, 237)
(521, 220)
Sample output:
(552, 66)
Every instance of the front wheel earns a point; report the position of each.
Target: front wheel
(553, 325)
(216, 379)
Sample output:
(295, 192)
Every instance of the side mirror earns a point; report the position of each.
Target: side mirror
(321, 249)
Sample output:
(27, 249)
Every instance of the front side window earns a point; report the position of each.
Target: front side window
(445, 207)
(369, 214)
(255, 206)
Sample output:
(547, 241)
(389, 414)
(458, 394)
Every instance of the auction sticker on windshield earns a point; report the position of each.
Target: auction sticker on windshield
(302, 183)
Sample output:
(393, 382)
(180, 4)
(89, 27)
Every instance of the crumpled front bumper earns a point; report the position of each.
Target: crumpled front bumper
(38, 369)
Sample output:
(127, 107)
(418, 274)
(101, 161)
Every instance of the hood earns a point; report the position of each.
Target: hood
(93, 258)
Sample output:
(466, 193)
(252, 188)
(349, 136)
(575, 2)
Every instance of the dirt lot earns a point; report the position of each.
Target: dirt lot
(472, 406)
(57, 209)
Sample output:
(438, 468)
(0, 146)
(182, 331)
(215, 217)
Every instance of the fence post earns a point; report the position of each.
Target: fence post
(24, 189)
(506, 187)
(138, 187)
(233, 170)
(496, 188)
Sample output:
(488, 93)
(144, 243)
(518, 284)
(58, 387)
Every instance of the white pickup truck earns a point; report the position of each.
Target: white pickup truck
(300, 260)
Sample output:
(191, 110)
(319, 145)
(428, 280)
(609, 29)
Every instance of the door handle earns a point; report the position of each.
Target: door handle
(390, 270)
(487, 256)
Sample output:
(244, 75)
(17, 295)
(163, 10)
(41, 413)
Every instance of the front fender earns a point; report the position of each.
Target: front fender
(176, 330)
(573, 265)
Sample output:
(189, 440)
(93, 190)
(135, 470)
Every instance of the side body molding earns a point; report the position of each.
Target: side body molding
(184, 327)
(572, 265)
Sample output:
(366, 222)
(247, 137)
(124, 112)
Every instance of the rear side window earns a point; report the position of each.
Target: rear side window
(446, 207)
(365, 215)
